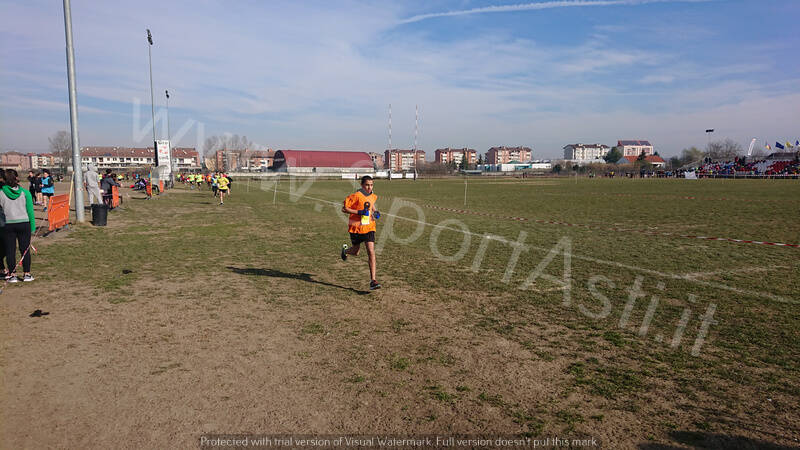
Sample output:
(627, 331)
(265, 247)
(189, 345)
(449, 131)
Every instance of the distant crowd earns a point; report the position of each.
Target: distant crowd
(739, 167)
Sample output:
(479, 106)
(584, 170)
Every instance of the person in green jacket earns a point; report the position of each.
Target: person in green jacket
(17, 206)
(3, 271)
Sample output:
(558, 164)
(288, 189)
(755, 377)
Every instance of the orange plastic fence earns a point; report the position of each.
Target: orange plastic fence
(160, 187)
(58, 211)
(114, 196)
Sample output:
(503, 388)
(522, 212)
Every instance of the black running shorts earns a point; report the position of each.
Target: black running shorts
(357, 238)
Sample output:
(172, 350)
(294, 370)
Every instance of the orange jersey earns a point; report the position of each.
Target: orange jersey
(361, 224)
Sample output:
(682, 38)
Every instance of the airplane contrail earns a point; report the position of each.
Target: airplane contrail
(540, 5)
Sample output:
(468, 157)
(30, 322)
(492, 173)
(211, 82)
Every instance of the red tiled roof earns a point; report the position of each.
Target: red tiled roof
(648, 158)
(402, 151)
(316, 158)
(587, 145)
(633, 142)
(528, 149)
(134, 152)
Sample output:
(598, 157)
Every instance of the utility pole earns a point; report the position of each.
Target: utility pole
(169, 139)
(77, 174)
(152, 100)
(416, 133)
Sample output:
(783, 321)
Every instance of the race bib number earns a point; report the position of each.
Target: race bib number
(364, 220)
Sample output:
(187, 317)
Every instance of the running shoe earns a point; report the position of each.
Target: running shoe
(12, 279)
(344, 252)
(374, 285)
(28, 277)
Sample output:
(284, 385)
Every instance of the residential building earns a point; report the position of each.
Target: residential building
(121, 158)
(456, 155)
(15, 160)
(259, 160)
(43, 160)
(586, 153)
(377, 159)
(243, 160)
(635, 147)
(656, 161)
(504, 155)
(398, 160)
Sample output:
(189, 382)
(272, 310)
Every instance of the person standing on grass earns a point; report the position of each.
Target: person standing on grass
(107, 186)
(222, 187)
(48, 188)
(17, 206)
(5, 271)
(361, 226)
(33, 186)
(91, 185)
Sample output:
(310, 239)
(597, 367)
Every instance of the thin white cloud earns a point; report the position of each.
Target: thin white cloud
(539, 6)
(657, 79)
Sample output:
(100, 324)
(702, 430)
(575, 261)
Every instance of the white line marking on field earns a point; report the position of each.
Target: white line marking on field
(657, 273)
(726, 271)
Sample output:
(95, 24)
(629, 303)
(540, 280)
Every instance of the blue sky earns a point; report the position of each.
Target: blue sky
(320, 75)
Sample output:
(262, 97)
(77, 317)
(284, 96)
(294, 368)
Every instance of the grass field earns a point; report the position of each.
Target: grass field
(587, 312)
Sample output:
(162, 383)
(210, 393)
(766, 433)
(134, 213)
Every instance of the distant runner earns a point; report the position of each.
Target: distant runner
(222, 187)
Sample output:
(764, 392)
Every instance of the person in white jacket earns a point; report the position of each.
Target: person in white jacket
(90, 182)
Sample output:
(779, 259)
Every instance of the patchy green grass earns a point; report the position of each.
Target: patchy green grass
(630, 321)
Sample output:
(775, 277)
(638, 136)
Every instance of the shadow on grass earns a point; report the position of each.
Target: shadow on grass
(698, 439)
(293, 276)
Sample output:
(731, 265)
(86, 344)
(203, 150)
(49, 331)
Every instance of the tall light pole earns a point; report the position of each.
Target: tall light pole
(168, 133)
(708, 133)
(73, 115)
(416, 133)
(169, 139)
(152, 101)
(708, 145)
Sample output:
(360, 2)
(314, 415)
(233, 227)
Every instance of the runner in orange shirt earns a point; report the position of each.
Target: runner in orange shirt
(361, 207)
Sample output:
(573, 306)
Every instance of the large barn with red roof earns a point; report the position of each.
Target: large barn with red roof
(316, 161)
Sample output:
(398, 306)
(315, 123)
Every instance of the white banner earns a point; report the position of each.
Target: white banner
(163, 155)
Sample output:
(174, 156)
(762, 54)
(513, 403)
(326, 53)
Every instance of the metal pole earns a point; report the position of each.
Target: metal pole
(169, 139)
(168, 133)
(73, 116)
(416, 133)
(152, 100)
(275, 190)
(465, 190)
(390, 128)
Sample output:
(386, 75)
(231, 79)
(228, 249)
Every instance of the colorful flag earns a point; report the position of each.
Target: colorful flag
(766, 146)
(797, 143)
(779, 145)
(789, 145)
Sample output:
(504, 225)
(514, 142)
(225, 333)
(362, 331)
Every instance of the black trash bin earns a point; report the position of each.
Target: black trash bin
(99, 214)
